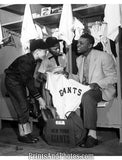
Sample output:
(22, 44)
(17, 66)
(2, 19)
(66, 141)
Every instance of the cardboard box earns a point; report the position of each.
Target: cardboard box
(56, 10)
(46, 11)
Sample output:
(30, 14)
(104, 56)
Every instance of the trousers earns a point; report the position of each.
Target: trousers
(18, 96)
(89, 107)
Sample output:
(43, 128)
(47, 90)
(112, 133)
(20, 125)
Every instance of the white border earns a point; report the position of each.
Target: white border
(60, 2)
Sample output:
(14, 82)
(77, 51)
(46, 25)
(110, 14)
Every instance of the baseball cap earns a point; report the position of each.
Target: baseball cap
(52, 41)
(37, 44)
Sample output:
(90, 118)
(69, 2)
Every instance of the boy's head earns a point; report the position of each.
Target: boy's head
(38, 48)
(53, 45)
(37, 44)
(52, 41)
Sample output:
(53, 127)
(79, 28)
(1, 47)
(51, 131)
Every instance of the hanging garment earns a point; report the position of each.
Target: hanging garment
(1, 36)
(28, 31)
(66, 93)
(113, 20)
(99, 32)
(78, 28)
(66, 24)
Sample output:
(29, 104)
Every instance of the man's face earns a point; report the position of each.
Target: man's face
(83, 46)
(55, 51)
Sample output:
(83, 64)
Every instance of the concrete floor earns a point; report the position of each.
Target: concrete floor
(9, 145)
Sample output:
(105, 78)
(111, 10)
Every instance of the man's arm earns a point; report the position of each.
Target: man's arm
(109, 70)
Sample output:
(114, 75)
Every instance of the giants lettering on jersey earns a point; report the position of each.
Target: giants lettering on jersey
(66, 93)
(72, 90)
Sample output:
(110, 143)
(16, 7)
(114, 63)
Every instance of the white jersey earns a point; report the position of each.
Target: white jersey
(66, 93)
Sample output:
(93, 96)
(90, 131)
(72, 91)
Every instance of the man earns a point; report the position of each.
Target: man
(55, 62)
(18, 78)
(97, 69)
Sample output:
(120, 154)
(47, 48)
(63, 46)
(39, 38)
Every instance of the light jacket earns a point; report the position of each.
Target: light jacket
(102, 70)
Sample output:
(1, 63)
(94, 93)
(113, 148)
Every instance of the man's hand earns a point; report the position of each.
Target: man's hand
(94, 86)
(66, 74)
(42, 103)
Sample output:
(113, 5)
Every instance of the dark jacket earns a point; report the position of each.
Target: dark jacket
(22, 71)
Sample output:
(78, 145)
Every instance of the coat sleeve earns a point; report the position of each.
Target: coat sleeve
(32, 89)
(109, 71)
(26, 73)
